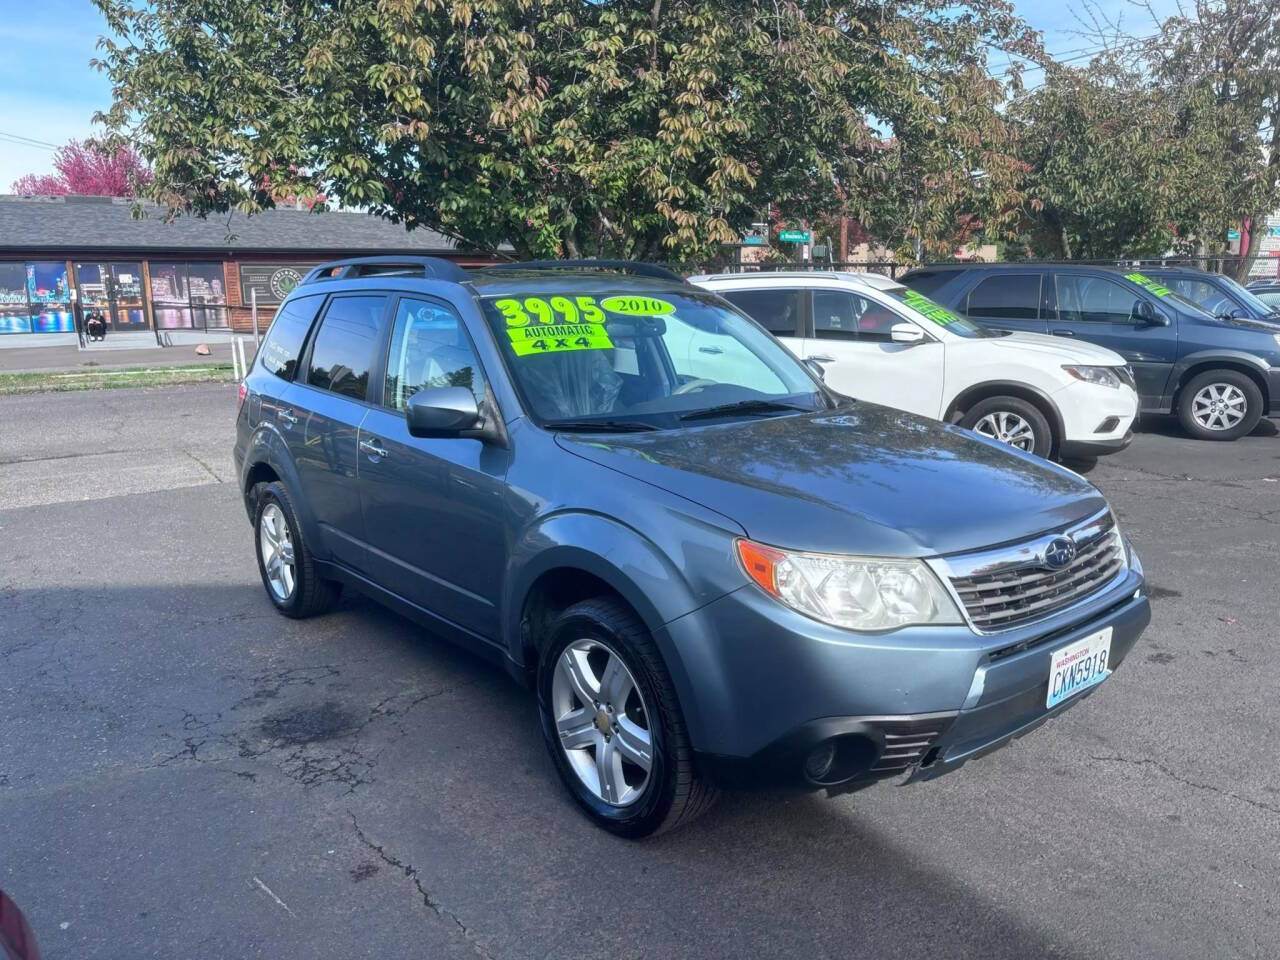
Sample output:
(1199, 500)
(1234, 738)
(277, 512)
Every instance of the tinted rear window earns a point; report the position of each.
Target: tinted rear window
(344, 349)
(927, 281)
(1009, 296)
(288, 330)
(775, 310)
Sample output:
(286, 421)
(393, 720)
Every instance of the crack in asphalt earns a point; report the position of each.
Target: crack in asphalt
(1148, 762)
(207, 469)
(300, 732)
(411, 872)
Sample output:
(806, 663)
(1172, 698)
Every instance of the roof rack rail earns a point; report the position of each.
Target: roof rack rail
(636, 267)
(436, 268)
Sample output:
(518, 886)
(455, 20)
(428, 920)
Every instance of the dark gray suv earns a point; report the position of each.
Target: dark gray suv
(711, 568)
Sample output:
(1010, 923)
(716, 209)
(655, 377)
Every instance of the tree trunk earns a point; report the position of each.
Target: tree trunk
(1258, 222)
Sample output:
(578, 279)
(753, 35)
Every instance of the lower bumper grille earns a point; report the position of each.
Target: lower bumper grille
(906, 742)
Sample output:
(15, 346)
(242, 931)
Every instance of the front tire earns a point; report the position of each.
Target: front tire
(1011, 420)
(1220, 405)
(284, 559)
(612, 723)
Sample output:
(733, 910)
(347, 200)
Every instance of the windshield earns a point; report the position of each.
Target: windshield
(1248, 297)
(632, 361)
(935, 313)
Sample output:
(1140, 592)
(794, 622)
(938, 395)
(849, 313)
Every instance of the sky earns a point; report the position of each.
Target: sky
(49, 92)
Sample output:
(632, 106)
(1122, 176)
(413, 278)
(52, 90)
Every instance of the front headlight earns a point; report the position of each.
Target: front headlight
(1102, 376)
(857, 593)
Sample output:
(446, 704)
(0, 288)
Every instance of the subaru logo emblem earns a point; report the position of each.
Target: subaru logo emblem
(1059, 552)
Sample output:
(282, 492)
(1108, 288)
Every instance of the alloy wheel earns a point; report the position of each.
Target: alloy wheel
(602, 722)
(1219, 406)
(1007, 428)
(277, 551)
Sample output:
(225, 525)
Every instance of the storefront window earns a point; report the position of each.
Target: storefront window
(185, 295)
(15, 313)
(50, 296)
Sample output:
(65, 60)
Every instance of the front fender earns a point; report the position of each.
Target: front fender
(635, 566)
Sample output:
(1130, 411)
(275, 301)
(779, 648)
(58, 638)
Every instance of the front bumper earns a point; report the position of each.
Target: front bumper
(773, 685)
(1097, 448)
(1096, 420)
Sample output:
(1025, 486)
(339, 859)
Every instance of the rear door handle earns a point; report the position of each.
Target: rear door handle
(372, 448)
(710, 350)
(821, 358)
(1063, 333)
(287, 416)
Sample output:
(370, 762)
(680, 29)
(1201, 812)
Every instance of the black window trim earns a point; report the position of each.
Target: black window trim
(385, 355)
(304, 361)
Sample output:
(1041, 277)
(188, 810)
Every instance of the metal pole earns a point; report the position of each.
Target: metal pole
(253, 300)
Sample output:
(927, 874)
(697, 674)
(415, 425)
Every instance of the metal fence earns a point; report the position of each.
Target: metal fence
(1220, 263)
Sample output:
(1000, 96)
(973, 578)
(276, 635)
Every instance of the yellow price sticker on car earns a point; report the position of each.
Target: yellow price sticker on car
(638, 306)
(935, 312)
(1148, 284)
(559, 309)
(536, 338)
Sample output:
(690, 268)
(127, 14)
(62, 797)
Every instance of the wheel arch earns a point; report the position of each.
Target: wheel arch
(1196, 364)
(1010, 388)
(268, 462)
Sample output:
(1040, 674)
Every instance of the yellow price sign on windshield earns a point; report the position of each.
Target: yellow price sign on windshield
(557, 309)
(556, 338)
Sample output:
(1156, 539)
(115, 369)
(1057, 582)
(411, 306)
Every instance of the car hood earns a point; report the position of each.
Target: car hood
(864, 479)
(1061, 349)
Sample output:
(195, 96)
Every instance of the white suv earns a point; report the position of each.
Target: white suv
(880, 341)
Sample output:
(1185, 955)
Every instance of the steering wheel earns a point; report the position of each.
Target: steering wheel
(691, 386)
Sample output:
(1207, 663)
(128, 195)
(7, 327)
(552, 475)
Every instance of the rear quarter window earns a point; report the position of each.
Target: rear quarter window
(283, 344)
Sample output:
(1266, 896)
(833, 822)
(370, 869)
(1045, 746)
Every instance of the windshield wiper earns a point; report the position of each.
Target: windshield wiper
(601, 426)
(744, 406)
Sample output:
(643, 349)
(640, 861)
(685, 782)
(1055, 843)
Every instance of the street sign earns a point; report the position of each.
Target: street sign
(753, 241)
(1233, 234)
(795, 236)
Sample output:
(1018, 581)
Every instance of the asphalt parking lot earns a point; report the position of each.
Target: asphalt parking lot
(184, 773)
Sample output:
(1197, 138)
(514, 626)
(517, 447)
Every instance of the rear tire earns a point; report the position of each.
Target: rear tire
(284, 559)
(1219, 405)
(600, 717)
(1011, 420)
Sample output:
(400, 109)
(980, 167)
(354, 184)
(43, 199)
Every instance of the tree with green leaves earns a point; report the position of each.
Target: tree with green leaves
(648, 129)
(1228, 52)
(1117, 165)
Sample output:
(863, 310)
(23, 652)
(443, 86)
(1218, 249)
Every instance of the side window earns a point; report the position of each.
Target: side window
(345, 344)
(838, 315)
(429, 348)
(283, 343)
(1084, 299)
(1203, 293)
(1008, 296)
(778, 311)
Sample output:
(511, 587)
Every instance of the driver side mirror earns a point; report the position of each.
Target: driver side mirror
(442, 412)
(906, 333)
(1147, 315)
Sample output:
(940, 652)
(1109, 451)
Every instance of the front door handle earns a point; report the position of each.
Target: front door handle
(372, 448)
(710, 350)
(1060, 332)
(821, 358)
(287, 416)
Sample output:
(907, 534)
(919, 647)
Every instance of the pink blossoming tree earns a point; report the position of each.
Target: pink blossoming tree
(89, 170)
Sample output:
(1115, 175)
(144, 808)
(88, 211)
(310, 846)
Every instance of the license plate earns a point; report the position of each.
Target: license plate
(1079, 666)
